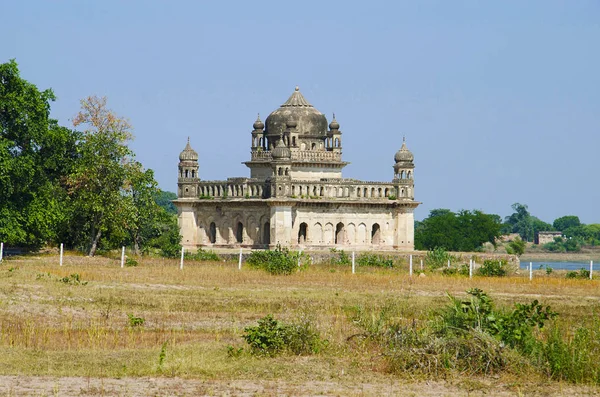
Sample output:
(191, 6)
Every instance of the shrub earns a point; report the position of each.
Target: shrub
(270, 337)
(130, 262)
(279, 261)
(135, 321)
(437, 258)
(342, 258)
(202, 255)
(493, 268)
(374, 260)
(581, 274)
(74, 279)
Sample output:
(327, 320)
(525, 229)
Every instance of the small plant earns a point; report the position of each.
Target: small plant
(493, 268)
(342, 258)
(202, 255)
(162, 355)
(374, 260)
(130, 262)
(135, 321)
(392, 197)
(437, 258)
(73, 279)
(549, 270)
(267, 338)
(582, 274)
(278, 261)
(234, 352)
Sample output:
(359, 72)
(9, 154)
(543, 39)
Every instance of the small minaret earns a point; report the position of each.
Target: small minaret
(334, 136)
(188, 172)
(281, 166)
(258, 135)
(404, 172)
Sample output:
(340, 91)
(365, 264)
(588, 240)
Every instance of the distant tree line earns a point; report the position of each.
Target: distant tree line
(82, 187)
(469, 230)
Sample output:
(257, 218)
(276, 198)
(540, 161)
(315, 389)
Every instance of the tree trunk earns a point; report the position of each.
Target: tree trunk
(136, 247)
(95, 243)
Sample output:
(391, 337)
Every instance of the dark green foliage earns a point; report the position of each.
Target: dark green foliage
(493, 268)
(374, 260)
(165, 199)
(462, 231)
(563, 245)
(565, 222)
(202, 255)
(270, 337)
(341, 259)
(130, 262)
(278, 261)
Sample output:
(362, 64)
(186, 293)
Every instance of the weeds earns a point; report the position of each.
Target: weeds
(202, 256)
(135, 321)
(493, 268)
(373, 260)
(279, 261)
(73, 279)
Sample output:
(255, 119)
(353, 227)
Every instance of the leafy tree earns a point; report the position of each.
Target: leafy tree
(465, 231)
(97, 182)
(565, 222)
(35, 154)
(520, 222)
(516, 247)
(164, 199)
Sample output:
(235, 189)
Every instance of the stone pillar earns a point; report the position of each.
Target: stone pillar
(187, 226)
(281, 224)
(405, 229)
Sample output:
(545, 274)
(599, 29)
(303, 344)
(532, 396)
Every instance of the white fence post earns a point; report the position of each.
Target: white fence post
(470, 268)
(123, 257)
(181, 262)
(591, 268)
(530, 271)
(1, 251)
(448, 263)
(410, 266)
(353, 266)
(421, 264)
(240, 260)
(60, 262)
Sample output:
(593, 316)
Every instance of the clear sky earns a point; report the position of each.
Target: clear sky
(499, 101)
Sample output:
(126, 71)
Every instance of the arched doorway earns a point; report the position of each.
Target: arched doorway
(302, 233)
(376, 234)
(212, 233)
(340, 233)
(239, 233)
(267, 233)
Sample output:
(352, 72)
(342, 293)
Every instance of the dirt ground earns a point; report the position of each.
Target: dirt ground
(80, 386)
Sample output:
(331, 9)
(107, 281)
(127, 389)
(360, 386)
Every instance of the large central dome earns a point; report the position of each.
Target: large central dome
(309, 121)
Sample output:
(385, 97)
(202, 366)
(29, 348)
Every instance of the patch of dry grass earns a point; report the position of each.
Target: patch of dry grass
(48, 327)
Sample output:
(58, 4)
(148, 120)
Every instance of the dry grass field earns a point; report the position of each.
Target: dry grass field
(77, 335)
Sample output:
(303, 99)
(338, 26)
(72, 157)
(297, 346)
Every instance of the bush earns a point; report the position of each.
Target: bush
(74, 279)
(130, 262)
(135, 321)
(493, 268)
(374, 260)
(583, 274)
(437, 258)
(202, 255)
(279, 261)
(342, 258)
(270, 337)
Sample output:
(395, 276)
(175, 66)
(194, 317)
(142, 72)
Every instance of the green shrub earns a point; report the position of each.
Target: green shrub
(74, 279)
(374, 260)
(583, 274)
(341, 259)
(270, 337)
(202, 255)
(437, 258)
(135, 321)
(493, 268)
(130, 262)
(278, 261)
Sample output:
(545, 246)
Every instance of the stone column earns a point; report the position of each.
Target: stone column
(187, 226)
(281, 224)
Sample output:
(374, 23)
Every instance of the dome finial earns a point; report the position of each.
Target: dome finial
(334, 125)
(404, 139)
(258, 124)
(297, 88)
(188, 140)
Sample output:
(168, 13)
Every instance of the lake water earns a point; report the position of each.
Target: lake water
(560, 265)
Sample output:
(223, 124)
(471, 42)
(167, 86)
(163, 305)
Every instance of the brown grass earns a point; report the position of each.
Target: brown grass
(51, 328)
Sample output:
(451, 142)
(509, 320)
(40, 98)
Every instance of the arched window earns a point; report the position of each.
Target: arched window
(376, 234)
(193, 174)
(340, 233)
(337, 142)
(186, 173)
(302, 233)
(409, 175)
(287, 171)
(266, 233)
(294, 141)
(280, 171)
(239, 232)
(212, 233)
(313, 146)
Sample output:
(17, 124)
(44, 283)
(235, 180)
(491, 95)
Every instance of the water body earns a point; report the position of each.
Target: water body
(560, 265)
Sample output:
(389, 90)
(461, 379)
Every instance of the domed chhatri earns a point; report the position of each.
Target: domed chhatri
(334, 125)
(188, 154)
(281, 152)
(404, 155)
(258, 124)
(295, 195)
(309, 120)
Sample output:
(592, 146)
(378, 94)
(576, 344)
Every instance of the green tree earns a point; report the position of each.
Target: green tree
(465, 231)
(165, 200)
(565, 222)
(35, 155)
(97, 182)
(520, 222)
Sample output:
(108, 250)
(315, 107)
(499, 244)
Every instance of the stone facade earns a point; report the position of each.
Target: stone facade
(546, 237)
(296, 195)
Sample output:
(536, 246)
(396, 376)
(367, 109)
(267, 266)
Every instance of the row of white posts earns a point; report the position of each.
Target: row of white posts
(410, 262)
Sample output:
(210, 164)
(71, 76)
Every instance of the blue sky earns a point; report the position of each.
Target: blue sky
(499, 101)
